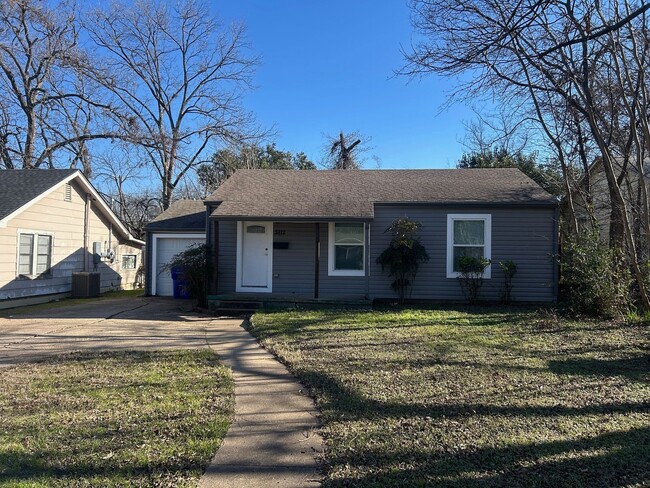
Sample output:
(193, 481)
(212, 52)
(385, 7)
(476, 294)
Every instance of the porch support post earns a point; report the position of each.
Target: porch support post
(317, 260)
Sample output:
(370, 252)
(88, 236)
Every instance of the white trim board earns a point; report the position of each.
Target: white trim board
(331, 257)
(154, 254)
(487, 241)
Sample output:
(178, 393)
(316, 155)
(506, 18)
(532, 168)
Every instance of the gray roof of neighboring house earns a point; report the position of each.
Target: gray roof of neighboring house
(20, 186)
(351, 194)
(181, 215)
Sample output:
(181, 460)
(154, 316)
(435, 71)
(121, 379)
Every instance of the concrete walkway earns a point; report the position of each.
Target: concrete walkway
(273, 439)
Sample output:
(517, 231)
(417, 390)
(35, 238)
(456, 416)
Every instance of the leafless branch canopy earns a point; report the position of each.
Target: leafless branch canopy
(47, 106)
(178, 76)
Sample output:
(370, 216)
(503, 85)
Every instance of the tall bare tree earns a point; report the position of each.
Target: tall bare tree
(557, 60)
(178, 76)
(344, 151)
(48, 109)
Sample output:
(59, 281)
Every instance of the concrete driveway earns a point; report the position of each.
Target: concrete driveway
(112, 324)
(273, 440)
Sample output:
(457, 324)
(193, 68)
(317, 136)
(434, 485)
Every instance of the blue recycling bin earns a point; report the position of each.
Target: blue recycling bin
(180, 283)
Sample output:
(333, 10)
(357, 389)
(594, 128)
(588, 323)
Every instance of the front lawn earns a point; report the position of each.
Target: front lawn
(472, 397)
(113, 419)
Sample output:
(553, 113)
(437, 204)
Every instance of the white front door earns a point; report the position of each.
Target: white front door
(256, 250)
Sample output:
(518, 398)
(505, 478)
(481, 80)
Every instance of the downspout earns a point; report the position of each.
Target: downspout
(317, 260)
(86, 217)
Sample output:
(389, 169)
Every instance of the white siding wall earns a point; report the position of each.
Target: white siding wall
(64, 220)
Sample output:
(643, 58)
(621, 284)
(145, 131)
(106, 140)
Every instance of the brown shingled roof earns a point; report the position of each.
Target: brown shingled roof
(181, 215)
(352, 194)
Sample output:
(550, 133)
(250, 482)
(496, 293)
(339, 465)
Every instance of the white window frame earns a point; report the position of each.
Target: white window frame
(487, 241)
(36, 234)
(331, 261)
(126, 255)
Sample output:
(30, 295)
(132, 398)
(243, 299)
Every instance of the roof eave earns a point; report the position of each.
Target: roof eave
(289, 218)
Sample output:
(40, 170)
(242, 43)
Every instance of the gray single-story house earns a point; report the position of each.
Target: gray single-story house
(316, 235)
(174, 230)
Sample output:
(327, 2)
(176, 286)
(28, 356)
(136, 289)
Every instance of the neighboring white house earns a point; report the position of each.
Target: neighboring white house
(54, 223)
(173, 231)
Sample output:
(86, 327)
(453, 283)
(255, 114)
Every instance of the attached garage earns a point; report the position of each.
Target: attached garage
(177, 228)
(164, 248)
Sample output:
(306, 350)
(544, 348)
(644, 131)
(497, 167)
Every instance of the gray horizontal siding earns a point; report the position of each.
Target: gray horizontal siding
(523, 235)
(227, 257)
(293, 268)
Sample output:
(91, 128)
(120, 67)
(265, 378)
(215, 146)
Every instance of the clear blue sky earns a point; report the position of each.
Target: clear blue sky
(328, 66)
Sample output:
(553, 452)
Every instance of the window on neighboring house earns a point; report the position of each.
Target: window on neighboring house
(468, 235)
(128, 261)
(34, 255)
(346, 249)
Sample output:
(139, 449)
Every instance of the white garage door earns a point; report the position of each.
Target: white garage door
(166, 248)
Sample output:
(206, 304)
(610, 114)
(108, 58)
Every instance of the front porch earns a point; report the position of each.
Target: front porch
(271, 264)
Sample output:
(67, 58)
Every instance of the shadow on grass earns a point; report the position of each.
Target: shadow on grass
(635, 368)
(354, 406)
(60, 429)
(613, 459)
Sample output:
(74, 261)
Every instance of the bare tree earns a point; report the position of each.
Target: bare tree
(48, 110)
(178, 76)
(123, 176)
(575, 67)
(344, 151)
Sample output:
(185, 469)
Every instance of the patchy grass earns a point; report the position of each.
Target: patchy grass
(66, 302)
(113, 419)
(472, 397)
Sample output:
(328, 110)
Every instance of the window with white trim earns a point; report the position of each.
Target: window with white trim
(128, 261)
(347, 250)
(34, 255)
(468, 235)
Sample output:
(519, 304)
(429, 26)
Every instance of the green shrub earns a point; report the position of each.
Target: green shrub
(404, 255)
(595, 279)
(471, 276)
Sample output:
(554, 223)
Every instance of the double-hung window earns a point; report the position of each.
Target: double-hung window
(468, 235)
(346, 249)
(34, 255)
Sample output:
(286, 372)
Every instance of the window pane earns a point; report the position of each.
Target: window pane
(348, 258)
(348, 233)
(43, 254)
(128, 261)
(255, 229)
(44, 244)
(469, 232)
(26, 248)
(459, 251)
(26, 243)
